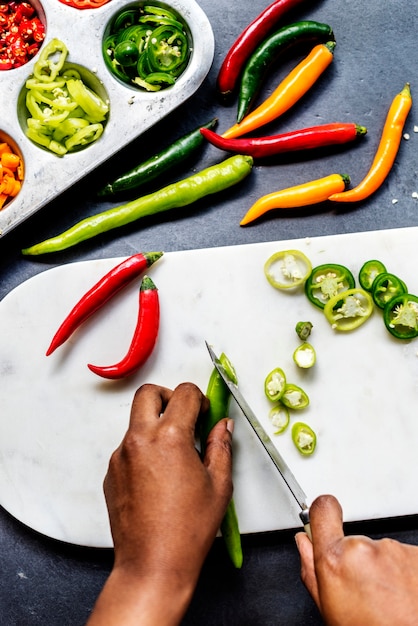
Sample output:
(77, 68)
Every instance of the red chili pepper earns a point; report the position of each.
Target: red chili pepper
(100, 293)
(85, 4)
(21, 33)
(247, 42)
(144, 338)
(304, 139)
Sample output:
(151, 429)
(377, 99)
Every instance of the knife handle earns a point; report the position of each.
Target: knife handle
(304, 516)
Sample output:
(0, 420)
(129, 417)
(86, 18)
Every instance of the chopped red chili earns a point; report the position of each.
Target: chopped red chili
(21, 34)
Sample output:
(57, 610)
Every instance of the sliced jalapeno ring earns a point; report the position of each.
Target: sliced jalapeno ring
(274, 384)
(126, 53)
(304, 438)
(349, 310)
(294, 397)
(303, 330)
(369, 271)
(304, 356)
(400, 316)
(385, 287)
(327, 281)
(279, 417)
(287, 269)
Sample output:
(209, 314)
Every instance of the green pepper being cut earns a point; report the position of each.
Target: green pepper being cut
(326, 282)
(287, 269)
(400, 316)
(385, 287)
(274, 384)
(369, 271)
(294, 397)
(304, 438)
(349, 310)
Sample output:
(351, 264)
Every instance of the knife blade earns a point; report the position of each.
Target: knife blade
(279, 462)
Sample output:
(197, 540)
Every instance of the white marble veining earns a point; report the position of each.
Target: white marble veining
(59, 422)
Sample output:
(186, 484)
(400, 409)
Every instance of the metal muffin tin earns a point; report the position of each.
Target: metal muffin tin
(131, 112)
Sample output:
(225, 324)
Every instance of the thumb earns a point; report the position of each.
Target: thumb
(218, 456)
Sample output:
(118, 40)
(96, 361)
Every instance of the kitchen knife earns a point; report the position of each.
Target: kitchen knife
(293, 485)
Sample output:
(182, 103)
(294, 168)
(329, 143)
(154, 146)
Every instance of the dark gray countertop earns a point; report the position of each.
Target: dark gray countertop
(45, 582)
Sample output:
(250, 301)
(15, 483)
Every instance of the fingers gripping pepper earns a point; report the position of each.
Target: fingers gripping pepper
(288, 92)
(304, 139)
(183, 193)
(100, 293)
(144, 338)
(386, 151)
(269, 51)
(247, 42)
(219, 398)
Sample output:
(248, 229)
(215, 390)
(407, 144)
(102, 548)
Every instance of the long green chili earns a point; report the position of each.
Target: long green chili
(160, 163)
(220, 397)
(182, 193)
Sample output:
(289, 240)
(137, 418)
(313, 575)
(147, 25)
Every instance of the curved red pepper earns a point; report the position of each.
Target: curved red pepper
(304, 139)
(144, 338)
(100, 293)
(247, 42)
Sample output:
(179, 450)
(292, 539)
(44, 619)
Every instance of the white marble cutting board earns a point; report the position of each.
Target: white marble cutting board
(59, 422)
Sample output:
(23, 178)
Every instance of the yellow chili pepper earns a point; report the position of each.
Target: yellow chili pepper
(312, 192)
(386, 151)
(289, 91)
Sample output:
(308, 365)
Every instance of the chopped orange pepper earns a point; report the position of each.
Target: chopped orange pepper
(11, 173)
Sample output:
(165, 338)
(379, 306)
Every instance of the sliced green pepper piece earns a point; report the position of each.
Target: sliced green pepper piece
(304, 356)
(349, 310)
(126, 53)
(274, 384)
(385, 287)
(327, 281)
(50, 61)
(400, 316)
(280, 417)
(294, 397)
(167, 50)
(369, 271)
(96, 109)
(303, 330)
(287, 269)
(304, 438)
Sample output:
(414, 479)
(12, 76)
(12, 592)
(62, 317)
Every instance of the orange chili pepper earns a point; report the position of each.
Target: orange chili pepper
(386, 151)
(288, 92)
(10, 160)
(11, 173)
(312, 192)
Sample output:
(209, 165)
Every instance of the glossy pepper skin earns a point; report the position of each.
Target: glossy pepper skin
(306, 194)
(144, 338)
(290, 90)
(246, 43)
(183, 193)
(101, 292)
(219, 399)
(158, 164)
(386, 152)
(304, 139)
(268, 52)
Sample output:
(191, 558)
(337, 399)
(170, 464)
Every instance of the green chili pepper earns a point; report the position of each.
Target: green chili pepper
(368, 272)
(50, 61)
(400, 316)
(385, 287)
(304, 438)
(304, 356)
(268, 52)
(183, 193)
(294, 397)
(303, 330)
(160, 163)
(219, 397)
(275, 384)
(327, 281)
(280, 418)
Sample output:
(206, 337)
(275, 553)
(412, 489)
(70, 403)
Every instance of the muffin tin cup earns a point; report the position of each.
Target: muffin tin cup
(131, 111)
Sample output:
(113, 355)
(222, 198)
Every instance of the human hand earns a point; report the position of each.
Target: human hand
(165, 506)
(354, 580)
